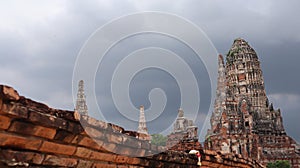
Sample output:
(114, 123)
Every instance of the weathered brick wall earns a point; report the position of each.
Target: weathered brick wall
(34, 135)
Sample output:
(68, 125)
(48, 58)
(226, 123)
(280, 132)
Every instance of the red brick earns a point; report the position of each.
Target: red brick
(1, 103)
(93, 122)
(56, 148)
(47, 120)
(59, 161)
(30, 129)
(131, 141)
(29, 157)
(134, 161)
(116, 128)
(102, 156)
(123, 150)
(4, 122)
(88, 142)
(83, 152)
(94, 133)
(9, 93)
(14, 110)
(111, 147)
(15, 141)
(64, 136)
(114, 138)
(121, 159)
(75, 128)
(104, 165)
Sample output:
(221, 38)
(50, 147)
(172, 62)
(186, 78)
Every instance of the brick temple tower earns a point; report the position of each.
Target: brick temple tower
(81, 106)
(243, 121)
(142, 122)
(142, 128)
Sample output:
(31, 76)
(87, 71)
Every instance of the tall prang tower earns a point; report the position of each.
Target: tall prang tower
(142, 122)
(243, 121)
(219, 105)
(142, 128)
(81, 106)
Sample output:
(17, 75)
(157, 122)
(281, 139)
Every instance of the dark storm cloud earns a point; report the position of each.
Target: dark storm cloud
(40, 41)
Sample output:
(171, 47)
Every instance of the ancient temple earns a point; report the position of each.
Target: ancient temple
(184, 135)
(142, 122)
(142, 128)
(81, 106)
(243, 121)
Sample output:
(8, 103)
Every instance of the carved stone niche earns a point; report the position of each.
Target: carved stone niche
(243, 90)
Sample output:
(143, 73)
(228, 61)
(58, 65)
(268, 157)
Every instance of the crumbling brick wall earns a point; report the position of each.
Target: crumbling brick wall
(35, 135)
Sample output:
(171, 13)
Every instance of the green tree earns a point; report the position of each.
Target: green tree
(158, 139)
(279, 164)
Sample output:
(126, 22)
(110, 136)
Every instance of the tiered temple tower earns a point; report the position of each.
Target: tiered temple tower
(244, 122)
(142, 122)
(81, 106)
(142, 128)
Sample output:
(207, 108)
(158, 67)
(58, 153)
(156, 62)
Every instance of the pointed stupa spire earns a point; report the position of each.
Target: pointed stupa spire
(142, 122)
(239, 48)
(81, 106)
(219, 105)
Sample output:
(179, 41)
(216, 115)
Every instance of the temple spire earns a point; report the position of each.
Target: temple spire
(219, 105)
(142, 122)
(81, 106)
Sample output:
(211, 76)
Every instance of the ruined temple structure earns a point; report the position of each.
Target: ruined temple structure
(243, 121)
(81, 106)
(184, 136)
(142, 129)
(35, 135)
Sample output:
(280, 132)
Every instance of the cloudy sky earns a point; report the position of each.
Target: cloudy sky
(40, 41)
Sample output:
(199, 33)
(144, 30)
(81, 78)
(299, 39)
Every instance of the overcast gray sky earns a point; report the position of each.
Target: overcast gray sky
(40, 41)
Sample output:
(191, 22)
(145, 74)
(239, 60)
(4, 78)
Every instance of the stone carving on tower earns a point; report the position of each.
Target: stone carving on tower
(243, 121)
(81, 106)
